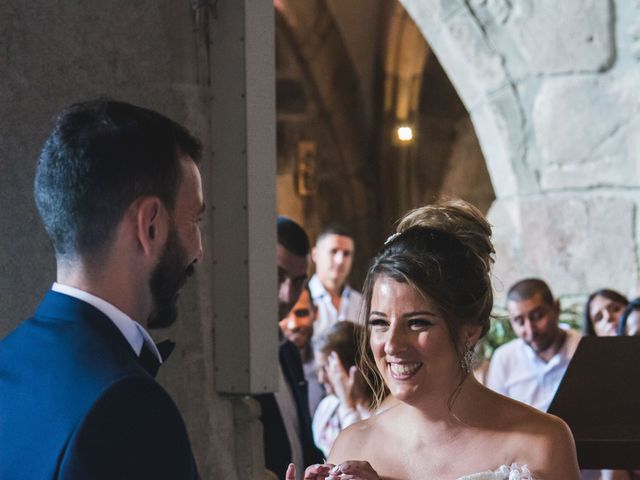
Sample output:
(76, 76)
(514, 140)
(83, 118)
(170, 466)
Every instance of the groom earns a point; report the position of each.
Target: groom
(120, 196)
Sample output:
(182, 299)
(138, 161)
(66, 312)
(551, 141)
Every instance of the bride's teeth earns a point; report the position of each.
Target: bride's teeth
(402, 369)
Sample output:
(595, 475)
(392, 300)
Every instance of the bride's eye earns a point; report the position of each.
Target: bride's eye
(419, 323)
(377, 323)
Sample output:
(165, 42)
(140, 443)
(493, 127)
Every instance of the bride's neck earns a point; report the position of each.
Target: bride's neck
(445, 410)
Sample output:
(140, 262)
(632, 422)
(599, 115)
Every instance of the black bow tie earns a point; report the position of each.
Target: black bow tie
(148, 359)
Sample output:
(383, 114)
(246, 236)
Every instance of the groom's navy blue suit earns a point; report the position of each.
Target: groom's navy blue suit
(75, 403)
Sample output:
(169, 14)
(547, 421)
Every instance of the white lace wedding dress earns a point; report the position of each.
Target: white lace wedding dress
(513, 472)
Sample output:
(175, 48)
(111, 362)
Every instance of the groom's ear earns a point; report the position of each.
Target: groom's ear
(150, 224)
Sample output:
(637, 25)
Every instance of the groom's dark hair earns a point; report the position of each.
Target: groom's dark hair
(101, 156)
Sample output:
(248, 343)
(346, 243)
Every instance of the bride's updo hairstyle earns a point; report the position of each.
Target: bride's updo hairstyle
(445, 252)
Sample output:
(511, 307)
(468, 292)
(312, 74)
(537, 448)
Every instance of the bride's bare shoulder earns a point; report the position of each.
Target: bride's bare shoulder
(539, 439)
(518, 417)
(360, 440)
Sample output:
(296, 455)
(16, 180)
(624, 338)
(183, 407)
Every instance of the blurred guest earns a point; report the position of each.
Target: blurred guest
(335, 299)
(602, 318)
(349, 397)
(285, 417)
(602, 313)
(530, 368)
(298, 328)
(629, 323)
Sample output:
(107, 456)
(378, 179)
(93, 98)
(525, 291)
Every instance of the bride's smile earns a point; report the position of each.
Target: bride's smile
(410, 341)
(403, 371)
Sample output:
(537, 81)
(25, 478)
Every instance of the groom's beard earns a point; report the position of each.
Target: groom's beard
(168, 277)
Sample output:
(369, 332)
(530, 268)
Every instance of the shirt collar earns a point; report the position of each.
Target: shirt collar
(132, 331)
(316, 287)
(555, 359)
(318, 291)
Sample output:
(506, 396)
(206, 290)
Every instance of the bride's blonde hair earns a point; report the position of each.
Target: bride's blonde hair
(443, 250)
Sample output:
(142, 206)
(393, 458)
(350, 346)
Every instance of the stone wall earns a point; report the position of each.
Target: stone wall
(552, 89)
(151, 53)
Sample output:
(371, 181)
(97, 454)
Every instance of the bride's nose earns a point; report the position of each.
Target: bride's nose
(396, 341)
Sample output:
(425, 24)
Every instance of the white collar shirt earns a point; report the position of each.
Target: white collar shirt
(519, 373)
(350, 303)
(132, 331)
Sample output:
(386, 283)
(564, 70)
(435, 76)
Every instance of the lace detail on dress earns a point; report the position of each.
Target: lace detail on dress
(514, 472)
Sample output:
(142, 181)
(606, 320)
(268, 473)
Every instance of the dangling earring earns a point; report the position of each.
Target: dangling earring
(467, 357)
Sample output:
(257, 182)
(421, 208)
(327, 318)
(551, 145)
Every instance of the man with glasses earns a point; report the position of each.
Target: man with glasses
(530, 368)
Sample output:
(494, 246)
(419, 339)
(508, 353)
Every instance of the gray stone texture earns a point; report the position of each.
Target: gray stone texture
(587, 130)
(578, 242)
(552, 89)
(565, 36)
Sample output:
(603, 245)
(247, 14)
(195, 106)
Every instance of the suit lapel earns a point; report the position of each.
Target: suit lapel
(63, 307)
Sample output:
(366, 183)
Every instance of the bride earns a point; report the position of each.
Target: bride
(428, 299)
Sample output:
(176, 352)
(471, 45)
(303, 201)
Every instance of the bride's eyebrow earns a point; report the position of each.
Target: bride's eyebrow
(380, 314)
(420, 313)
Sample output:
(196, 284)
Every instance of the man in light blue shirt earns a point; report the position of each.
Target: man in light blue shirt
(332, 296)
(529, 369)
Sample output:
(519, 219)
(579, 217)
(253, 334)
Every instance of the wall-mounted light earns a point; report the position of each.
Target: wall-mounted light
(404, 134)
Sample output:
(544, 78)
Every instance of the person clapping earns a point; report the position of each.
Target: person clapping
(349, 397)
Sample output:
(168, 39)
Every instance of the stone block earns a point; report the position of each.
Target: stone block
(428, 14)
(474, 66)
(566, 36)
(496, 10)
(587, 131)
(504, 217)
(499, 125)
(580, 243)
(456, 36)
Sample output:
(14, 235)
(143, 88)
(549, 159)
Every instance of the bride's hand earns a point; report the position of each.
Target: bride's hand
(353, 470)
(318, 471)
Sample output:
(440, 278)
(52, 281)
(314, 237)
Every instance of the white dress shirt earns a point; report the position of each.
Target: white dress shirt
(518, 372)
(330, 419)
(350, 303)
(135, 334)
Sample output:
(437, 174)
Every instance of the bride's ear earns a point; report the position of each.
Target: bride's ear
(470, 334)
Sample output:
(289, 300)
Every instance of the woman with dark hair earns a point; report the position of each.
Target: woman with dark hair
(629, 323)
(602, 313)
(349, 398)
(428, 299)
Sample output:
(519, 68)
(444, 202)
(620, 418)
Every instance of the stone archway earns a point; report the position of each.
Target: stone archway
(550, 90)
(444, 158)
(344, 110)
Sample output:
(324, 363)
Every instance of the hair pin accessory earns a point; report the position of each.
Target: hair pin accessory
(391, 238)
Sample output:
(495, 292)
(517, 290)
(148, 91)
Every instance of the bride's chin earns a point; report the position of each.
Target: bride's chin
(404, 393)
